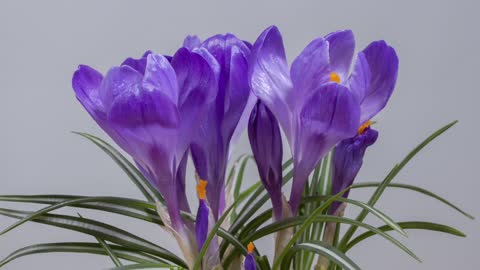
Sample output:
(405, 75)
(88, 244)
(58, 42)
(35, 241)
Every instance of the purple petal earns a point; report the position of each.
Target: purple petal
(237, 91)
(341, 49)
(310, 69)
(86, 82)
(191, 42)
(270, 78)
(117, 81)
(242, 123)
(137, 108)
(180, 184)
(160, 76)
(266, 142)
(201, 223)
(347, 161)
(359, 81)
(250, 263)
(211, 144)
(329, 116)
(197, 82)
(137, 64)
(383, 63)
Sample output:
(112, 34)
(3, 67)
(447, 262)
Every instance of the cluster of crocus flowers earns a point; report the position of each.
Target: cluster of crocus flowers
(163, 109)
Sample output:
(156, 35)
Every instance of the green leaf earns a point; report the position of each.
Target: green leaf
(250, 208)
(305, 225)
(291, 222)
(146, 266)
(250, 232)
(79, 247)
(396, 169)
(100, 230)
(241, 171)
(262, 262)
(323, 249)
(133, 173)
(239, 168)
(417, 189)
(389, 221)
(109, 251)
(420, 225)
(63, 204)
(123, 206)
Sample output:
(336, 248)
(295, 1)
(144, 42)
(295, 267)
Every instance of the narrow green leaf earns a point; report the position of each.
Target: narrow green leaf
(291, 222)
(123, 206)
(146, 266)
(305, 225)
(80, 247)
(380, 215)
(109, 251)
(323, 249)
(408, 225)
(133, 173)
(417, 189)
(396, 169)
(98, 229)
(54, 207)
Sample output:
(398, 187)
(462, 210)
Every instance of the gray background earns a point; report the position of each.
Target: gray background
(42, 42)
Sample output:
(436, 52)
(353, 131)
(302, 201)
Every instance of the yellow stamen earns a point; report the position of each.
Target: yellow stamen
(201, 189)
(250, 247)
(363, 127)
(334, 77)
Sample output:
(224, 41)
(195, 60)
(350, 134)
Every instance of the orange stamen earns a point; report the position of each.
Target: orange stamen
(201, 189)
(250, 248)
(334, 77)
(363, 127)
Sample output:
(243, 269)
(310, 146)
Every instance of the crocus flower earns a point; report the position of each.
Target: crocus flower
(250, 263)
(314, 111)
(151, 108)
(348, 159)
(211, 145)
(266, 143)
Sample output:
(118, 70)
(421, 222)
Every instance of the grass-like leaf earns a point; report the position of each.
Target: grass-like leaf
(150, 193)
(147, 266)
(323, 249)
(100, 230)
(291, 222)
(417, 189)
(391, 175)
(408, 225)
(80, 247)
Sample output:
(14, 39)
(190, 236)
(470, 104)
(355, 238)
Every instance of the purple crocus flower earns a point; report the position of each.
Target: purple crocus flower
(348, 159)
(227, 114)
(250, 263)
(314, 112)
(151, 108)
(266, 143)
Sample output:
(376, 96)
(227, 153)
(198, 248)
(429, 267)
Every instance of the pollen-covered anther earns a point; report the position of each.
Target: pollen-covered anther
(202, 189)
(364, 126)
(334, 77)
(250, 247)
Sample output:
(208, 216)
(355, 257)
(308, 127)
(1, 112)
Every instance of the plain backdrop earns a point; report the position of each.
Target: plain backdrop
(42, 42)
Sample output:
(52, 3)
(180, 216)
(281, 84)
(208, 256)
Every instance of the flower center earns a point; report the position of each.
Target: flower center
(250, 247)
(334, 77)
(201, 189)
(363, 127)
